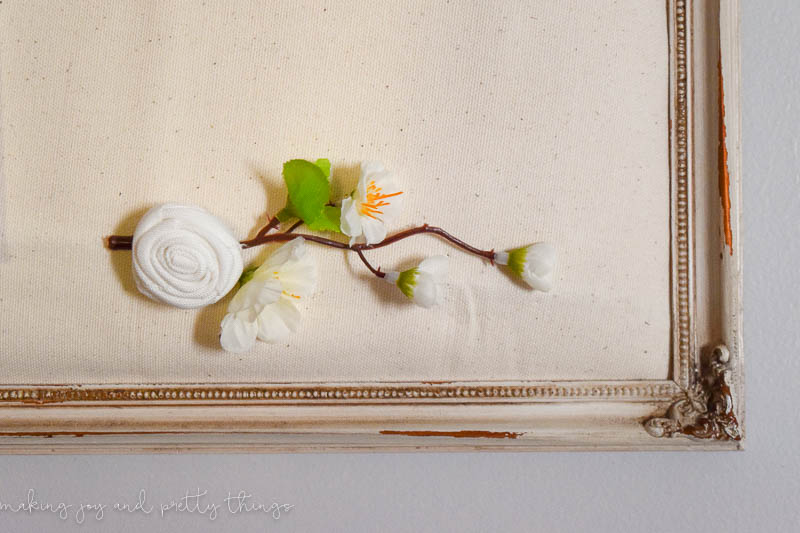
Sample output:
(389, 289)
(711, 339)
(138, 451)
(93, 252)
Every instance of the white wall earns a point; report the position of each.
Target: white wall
(756, 490)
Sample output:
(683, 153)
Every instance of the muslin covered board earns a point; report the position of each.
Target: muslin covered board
(506, 123)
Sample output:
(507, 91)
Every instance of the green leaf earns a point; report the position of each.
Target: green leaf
(328, 220)
(325, 166)
(247, 275)
(287, 213)
(309, 189)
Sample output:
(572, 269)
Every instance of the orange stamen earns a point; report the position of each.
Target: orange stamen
(375, 200)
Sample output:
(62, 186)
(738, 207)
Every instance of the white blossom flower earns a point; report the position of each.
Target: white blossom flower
(423, 284)
(534, 264)
(373, 205)
(265, 307)
(240, 324)
(184, 256)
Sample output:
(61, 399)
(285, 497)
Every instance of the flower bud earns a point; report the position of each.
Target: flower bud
(424, 283)
(534, 264)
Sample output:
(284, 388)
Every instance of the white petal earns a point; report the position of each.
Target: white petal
(297, 274)
(435, 266)
(368, 168)
(254, 295)
(385, 179)
(544, 283)
(374, 230)
(543, 253)
(539, 266)
(427, 293)
(299, 277)
(277, 321)
(361, 188)
(385, 182)
(391, 210)
(350, 221)
(238, 335)
(290, 250)
(369, 171)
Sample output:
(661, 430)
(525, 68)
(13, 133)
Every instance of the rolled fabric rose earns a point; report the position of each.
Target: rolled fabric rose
(185, 256)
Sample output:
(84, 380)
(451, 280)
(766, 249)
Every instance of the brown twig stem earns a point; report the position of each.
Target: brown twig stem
(124, 242)
(376, 271)
(273, 223)
(295, 226)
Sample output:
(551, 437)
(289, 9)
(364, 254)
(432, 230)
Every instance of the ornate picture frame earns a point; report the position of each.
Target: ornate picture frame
(699, 406)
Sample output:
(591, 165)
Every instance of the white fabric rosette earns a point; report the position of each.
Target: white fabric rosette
(185, 256)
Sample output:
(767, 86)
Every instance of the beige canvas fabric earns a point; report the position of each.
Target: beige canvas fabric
(506, 123)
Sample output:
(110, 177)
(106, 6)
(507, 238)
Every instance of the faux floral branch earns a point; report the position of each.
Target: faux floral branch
(186, 257)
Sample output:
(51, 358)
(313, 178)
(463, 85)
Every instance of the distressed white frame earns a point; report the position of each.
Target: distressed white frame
(699, 407)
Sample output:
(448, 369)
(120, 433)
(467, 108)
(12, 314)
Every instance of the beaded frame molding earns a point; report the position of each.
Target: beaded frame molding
(698, 406)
